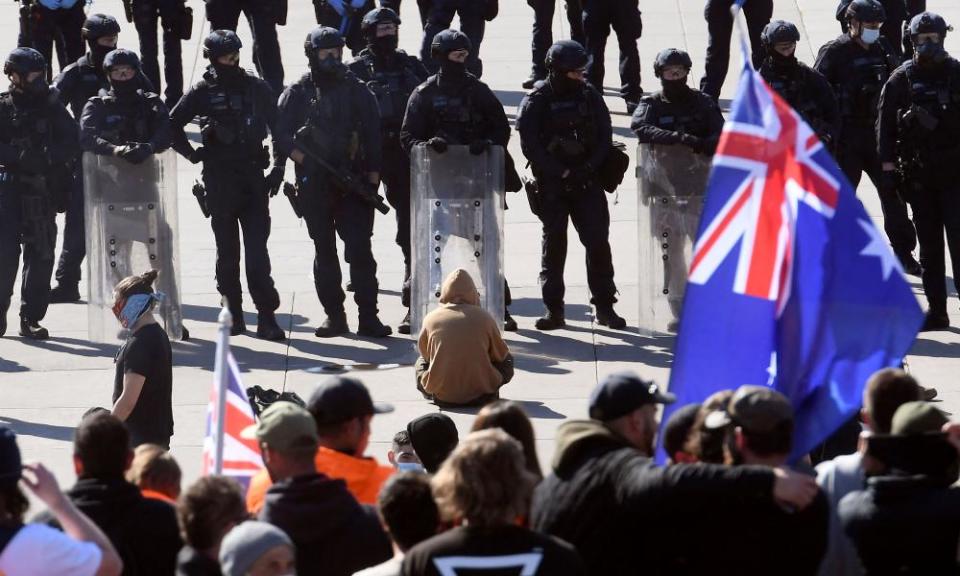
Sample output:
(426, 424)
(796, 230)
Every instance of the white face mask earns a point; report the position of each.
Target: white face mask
(869, 35)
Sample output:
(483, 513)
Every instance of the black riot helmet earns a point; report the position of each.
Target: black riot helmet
(322, 37)
(778, 31)
(220, 43)
(98, 26)
(566, 56)
(927, 22)
(866, 11)
(671, 57)
(375, 17)
(23, 61)
(121, 57)
(449, 41)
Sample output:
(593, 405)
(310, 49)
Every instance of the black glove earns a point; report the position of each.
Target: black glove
(275, 179)
(198, 155)
(478, 147)
(438, 144)
(691, 142)
(138, 154)
(35, 163)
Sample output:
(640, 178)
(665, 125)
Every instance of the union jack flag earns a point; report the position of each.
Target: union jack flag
(791, 285)
(241, 457)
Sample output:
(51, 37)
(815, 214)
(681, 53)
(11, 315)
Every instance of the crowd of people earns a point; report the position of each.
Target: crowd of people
(482, 504)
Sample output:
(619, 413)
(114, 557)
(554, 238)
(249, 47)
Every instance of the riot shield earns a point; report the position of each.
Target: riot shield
(671, 181)
(131, 218)
(456, 212)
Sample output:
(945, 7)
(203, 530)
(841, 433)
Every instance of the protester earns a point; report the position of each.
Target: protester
(258, 549)
(35, 549)
(434, 436)
(510, 417)
(143, 385)
(483, 488)
(342, 409)
(143, 531)
(676, 434)
(209, 509)
(884, 393)
(907, 520)
(156, 473)
(463, 358)
(402, 456)
(606, 497)
(333, 534)
(409, 515)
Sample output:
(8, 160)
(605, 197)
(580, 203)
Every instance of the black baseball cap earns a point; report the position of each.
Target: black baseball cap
(11, 467)
(433, 437)
(340, 398)
(623, 392)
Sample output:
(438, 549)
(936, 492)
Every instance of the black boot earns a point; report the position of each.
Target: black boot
(33, 330)
(371, 327)
(552, 320)
(3, 323)
(935, 321)
(509, 324)
(606, 316)
(239, 324)
(268, 329)
(910, 264)
(334, 325)
(64, 293)
(404, 327)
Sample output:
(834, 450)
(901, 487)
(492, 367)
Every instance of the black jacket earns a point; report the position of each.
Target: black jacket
(82, 80)
(392, 80)
(658, 120)
(334, 535)
(108, 122)
(144, 531)
(904, 525)
(807, 92)
(857, 75)
(193, 563)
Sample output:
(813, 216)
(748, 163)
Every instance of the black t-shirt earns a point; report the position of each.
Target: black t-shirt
(492, 551)
(147, 352)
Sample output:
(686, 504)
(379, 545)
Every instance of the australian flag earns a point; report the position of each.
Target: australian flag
(791, 284)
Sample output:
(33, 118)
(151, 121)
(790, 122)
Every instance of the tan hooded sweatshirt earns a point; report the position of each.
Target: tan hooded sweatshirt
(460, 340)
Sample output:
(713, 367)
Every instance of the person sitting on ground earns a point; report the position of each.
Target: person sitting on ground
(402, 456)
(887, 390)
(510, 417)
(907, 519)
(676, 434)
(144, 531)
(156, 472)
(409, 514)
(483, 488)
(37, 549)
(463, 358)
(342, 410)
(258, 549)
(433, 436)
(333, 534)
(209, 509)
(143, 385)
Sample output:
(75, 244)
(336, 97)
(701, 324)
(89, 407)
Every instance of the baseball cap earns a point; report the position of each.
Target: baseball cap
(246, 543)
(917, 418)
(11, 467)
(340, 398)
(433, 437)
(756, 409)
(623, 392)
(284, 426)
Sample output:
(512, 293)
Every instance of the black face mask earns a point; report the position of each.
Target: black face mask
(32, 90)
(452, 70)
(330, 68)
(385, 44)
(125, 89)
(781, 63)
(228, 72)
(675, 89)
(930, 53)
(564, 85)
(98, 53)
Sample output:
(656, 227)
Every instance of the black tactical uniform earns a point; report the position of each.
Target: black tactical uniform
(899, 14)
(917, 129)
(349, 19)
(263, 17)
(235, 109)
(453, 107)
(37, 140)
(173, 17)
(473, 21)
(331, 114)
(543, 33)
(57, 27)
(565, 133)
(719, 27)
(805, 89)
(623, 16)
(857, 71)
(392, 76)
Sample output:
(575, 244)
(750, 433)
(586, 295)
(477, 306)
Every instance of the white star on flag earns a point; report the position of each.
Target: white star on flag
(878, 248)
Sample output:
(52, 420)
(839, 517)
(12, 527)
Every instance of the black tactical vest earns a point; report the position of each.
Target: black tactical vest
(123, 123)
(28, 129)
(392, 89)
(232, 119)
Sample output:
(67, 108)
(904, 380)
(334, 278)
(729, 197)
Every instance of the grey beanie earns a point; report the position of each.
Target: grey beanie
(246, 543)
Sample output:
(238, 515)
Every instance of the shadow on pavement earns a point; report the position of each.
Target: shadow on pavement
(533, 408)
(934, 349)
(11, 366)
(552, 348)
(194, 313)
(533, 307)
(393, 350)
(51, 431)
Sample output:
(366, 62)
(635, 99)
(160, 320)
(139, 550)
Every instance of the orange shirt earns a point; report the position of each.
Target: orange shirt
(153, 494)
(364, 477)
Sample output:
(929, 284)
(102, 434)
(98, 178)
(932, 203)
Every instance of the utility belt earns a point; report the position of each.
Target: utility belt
(259, 156)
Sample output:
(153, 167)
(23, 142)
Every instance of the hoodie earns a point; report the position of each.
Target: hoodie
(460, 343)
(333, 534)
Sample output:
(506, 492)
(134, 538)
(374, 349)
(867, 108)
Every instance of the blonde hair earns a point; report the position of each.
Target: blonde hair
(484, 481)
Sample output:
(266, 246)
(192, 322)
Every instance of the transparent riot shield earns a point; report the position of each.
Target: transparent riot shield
(131, 218)
(671, 181)
(456, 211)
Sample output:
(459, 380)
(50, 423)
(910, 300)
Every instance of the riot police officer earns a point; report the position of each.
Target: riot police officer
(235, 109)
(917, 131)
(899, 14)
(49, 24)
(543, 33)
(175, 21)
(392, 76)
(857, 65)
(565, 133)
(719, 27)
(805, 89)
(263, 18)
(473, 20)
(329, 125)
(37, 139)
(599, 16)
(453, 107)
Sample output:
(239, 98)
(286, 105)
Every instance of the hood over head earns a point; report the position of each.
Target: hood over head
(459, 288)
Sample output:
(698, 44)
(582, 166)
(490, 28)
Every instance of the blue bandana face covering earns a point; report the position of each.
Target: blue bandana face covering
(135, 307)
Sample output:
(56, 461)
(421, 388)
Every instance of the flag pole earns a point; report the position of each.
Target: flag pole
(220, 371)
(736, 10)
